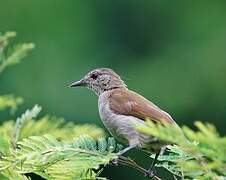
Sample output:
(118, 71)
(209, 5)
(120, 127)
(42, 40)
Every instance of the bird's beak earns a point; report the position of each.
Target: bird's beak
(77, 83)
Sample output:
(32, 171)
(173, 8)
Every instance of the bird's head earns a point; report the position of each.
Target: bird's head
(100, 80)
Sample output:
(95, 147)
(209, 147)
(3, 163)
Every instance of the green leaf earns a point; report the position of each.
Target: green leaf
(52, 159)
(12, 175)
(11, 56)
(9, 101)
(6, 138)
(199, 154)
(4, 41)
(58, 127)
(102, 144)
(21, 122)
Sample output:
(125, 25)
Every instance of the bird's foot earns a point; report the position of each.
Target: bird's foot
(114, 162)
(150, 174)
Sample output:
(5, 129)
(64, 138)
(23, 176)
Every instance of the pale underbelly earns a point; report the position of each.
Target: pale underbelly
(123, 128)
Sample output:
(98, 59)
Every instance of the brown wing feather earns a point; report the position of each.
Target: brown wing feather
(126, 102)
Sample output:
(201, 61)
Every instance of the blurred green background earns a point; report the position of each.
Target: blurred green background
(172, 52)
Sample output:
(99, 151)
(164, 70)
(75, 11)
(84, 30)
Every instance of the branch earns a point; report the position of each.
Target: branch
(131, 163)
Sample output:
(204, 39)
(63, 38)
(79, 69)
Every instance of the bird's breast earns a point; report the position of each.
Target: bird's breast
(110, 120)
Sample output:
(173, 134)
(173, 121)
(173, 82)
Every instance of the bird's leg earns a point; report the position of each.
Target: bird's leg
(120, 153)
(126, 149)
(150, 172)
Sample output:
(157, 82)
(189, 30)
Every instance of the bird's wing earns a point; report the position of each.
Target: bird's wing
(126, 102)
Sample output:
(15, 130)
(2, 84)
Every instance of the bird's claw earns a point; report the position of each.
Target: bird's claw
(114, 162)
(150, 174)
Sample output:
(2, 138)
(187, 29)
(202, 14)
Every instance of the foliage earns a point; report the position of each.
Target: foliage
(55, 149)
(13, 55)
(9, 101)
(53, 157)
(197, 154)
(60, 129)
(10, 56)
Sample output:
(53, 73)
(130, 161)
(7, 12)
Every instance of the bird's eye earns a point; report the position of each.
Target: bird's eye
(94, 76)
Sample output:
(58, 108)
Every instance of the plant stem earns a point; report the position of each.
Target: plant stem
(131, 163)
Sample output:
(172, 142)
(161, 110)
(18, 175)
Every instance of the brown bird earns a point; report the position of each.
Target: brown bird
(120, 108)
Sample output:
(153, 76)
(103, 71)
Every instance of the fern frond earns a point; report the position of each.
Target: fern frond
(15, 55)
(6, 138)
(4, 40)
(9, 101)
(201, 155)
(26, 126)
(59, 128)
(12, 175)
(52, 159)
(172, 133)
(21, 122)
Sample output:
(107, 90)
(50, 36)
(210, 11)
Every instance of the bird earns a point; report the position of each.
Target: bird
(121, 108)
